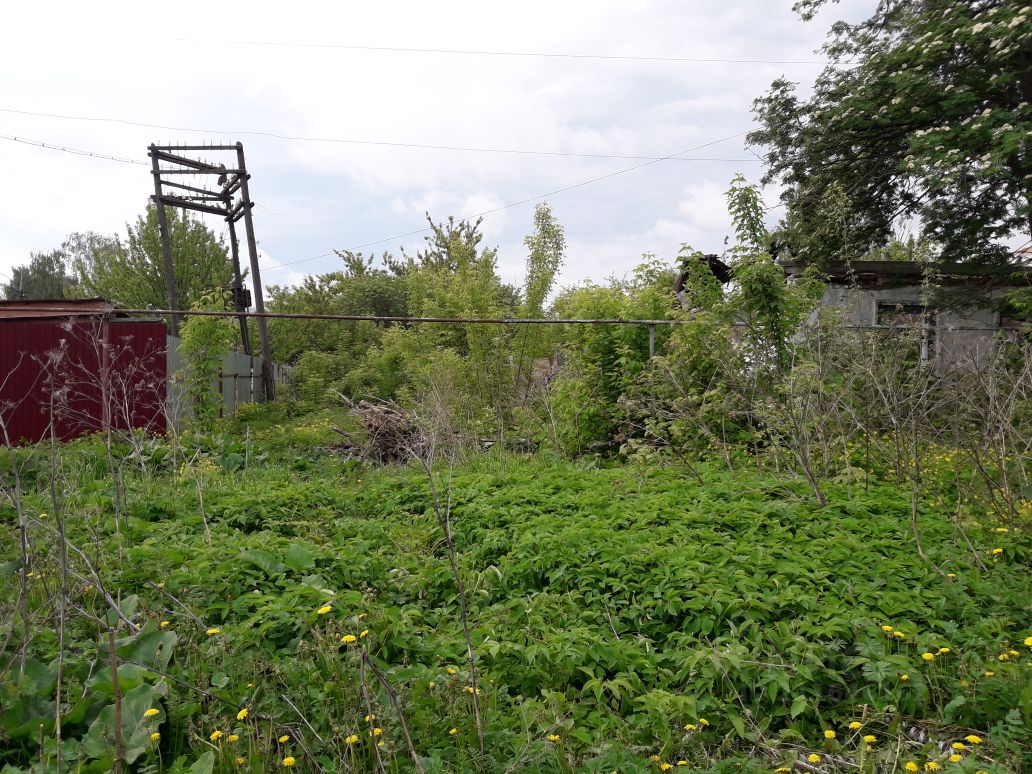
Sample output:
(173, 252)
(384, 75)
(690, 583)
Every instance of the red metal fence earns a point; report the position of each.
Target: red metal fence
(84, 372)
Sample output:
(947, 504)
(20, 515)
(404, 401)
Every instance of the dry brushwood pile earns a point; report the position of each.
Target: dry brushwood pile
(389, 433)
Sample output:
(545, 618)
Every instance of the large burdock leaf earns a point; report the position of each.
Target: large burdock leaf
(136, 728)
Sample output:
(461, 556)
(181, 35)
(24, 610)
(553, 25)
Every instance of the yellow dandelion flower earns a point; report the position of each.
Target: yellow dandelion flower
(364, 633)
(213, 631)
(904, 677)
(376, 732)
(870, 738)
(1001, 530)
(682, 763)
(958, 746)
(782, 770)
(161, 585)
(1014, 652)
(250, 685)
(243, 713)
(813, 758)
(151, 712)
(351, 739)
(829, 734)
(951, 575)
(886, 628)
(361, 616)
(453, 731)
(451, 670)
(164, 624)
(155, 736)
(284, 739)
(1028, 642)
(289, 761)
(349, 638)
(654, 758)
(240, 761)
(928, 656)
(989, 673)
(553, 738)
(471, 690)
(997, 551)
(665, 766)
(910, 766)
(972, 739)
(898, 635)
(855, 725)
(215, 735)
(956, 757)
(431, 684)
(689, 726)
(932, 766)
(943, 651)
(323, 610)
(1003, 657)
(703, 721)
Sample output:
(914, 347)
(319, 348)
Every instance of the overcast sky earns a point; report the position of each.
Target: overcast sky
(195, 66)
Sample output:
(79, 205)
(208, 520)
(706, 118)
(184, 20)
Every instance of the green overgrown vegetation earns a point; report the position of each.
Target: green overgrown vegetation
(617, 612)
(752, 539)
(775, 544)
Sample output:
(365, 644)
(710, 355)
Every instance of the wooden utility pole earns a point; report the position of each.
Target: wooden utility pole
(166, 246)
(231, 201)
(268, 385)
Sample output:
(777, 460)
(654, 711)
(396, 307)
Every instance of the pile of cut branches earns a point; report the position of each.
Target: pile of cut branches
(390, 433)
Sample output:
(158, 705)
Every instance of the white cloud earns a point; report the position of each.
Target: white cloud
(129, 60)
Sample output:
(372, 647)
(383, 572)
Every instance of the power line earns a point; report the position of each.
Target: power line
(525, 54)
(511, 204)
(75, 151)
(348, 141)
(346, 317)
(78, 312)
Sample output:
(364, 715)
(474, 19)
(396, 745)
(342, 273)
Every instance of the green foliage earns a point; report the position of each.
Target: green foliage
(730, 597)
(45, 276)
(204, 340)
(601, 361)
(132, 274)
(924, 113)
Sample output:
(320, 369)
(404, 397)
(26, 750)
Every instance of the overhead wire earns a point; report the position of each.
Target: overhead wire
(349, 141)
(75, 151)
(484, 52)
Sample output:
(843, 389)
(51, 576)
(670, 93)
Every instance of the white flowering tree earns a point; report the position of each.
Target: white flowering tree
(922, 118)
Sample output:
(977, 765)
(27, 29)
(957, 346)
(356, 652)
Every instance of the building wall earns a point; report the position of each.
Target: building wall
(966, 334)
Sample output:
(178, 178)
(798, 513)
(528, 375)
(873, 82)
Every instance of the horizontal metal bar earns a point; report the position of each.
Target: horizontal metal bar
(362, 317)
(176, 201)
(78, 312)
(194, 147)
(183, 162)
(214, 171)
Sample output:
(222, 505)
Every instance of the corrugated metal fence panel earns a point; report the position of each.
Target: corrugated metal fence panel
(245, 392)
(64, 362)
(227, 385)
(81, 372)
(177, 404)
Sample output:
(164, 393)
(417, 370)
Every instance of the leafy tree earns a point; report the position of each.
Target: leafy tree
(923, 114)
(45, 276)
(132, 274)
(203, 342)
